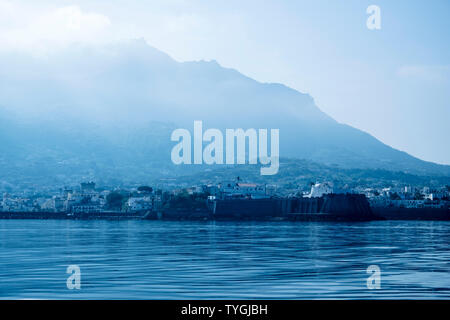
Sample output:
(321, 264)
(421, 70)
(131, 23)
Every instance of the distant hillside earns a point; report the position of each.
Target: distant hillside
(107, 113)
(299, 174)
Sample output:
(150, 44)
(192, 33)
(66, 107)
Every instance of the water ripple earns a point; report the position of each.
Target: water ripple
(226, 260)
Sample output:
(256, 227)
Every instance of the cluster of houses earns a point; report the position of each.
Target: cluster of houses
(87, 199)
(407, 197)
(232, 190)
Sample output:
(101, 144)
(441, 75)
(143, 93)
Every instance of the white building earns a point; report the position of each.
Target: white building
(140, 203)
(319, 189)
(243, 190)
(86, 208)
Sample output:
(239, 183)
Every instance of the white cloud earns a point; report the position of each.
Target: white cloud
(29, 28)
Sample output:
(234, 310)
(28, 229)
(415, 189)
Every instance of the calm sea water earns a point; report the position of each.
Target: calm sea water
(223, 260)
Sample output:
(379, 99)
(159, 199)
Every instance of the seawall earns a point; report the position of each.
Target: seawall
(352, 207)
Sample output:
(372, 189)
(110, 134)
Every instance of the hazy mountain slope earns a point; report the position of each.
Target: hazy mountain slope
(88, 112)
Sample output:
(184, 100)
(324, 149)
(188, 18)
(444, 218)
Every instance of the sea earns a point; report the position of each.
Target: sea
(143, 259)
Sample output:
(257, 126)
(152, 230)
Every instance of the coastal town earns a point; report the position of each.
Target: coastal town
(88, 198)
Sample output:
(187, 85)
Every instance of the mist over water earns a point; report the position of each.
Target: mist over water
(223, 260)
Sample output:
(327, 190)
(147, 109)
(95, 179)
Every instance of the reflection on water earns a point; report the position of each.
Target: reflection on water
(223, 260)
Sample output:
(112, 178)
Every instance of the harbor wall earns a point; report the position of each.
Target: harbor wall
(333, 206)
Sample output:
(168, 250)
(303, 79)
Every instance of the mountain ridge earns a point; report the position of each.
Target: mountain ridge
(88, 103)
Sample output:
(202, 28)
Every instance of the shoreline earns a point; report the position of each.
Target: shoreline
(379, 215)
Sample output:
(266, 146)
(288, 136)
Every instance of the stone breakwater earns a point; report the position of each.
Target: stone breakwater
(328, 207)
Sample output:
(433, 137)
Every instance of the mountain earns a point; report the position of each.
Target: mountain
(96, 111)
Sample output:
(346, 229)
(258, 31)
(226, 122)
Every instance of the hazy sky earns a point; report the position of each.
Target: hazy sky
(393, 83)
